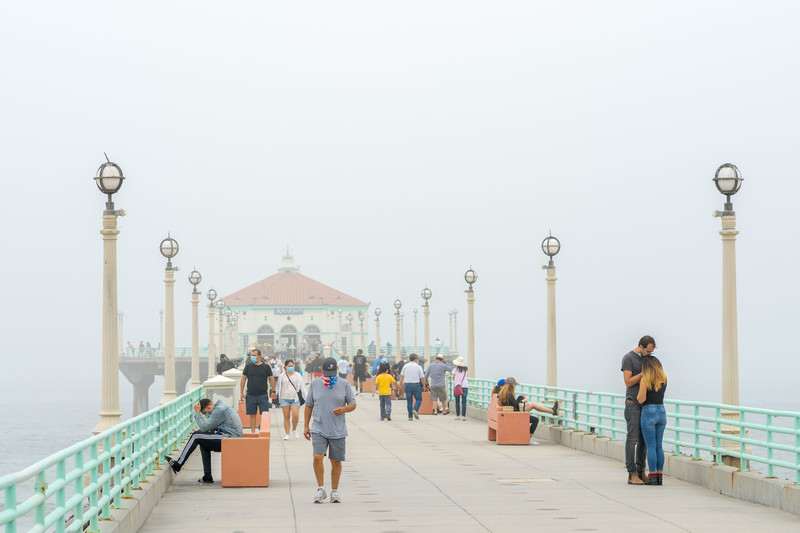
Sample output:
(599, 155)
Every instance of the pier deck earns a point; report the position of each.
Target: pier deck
(438, 474)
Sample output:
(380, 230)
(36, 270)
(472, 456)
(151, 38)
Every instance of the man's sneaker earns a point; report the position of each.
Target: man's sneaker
(286, 437)
(335, 496)
(410, 419)
(389, 418)
(383, 418)
(415, 414)
(458, 418)
(320, 496)
(205, 479)
(172, 463)
(533, 442)
(296, 434)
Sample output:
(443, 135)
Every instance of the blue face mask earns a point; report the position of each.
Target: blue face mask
(290, 369)
(253, 358)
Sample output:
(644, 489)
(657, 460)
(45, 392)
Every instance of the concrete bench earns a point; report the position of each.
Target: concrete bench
(245, 461)
(244, 417)
(507, 427)
(369, 386)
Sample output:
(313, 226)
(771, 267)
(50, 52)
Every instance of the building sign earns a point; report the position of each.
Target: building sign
(288, 311)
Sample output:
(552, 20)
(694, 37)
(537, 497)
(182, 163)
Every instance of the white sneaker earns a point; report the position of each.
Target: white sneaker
(296, 434)
(286, 437)
(335, 496)
(458, 418)
(320, 496)
(533, 442)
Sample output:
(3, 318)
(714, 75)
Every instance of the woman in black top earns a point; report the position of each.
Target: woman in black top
(506, 398)
(654, 416)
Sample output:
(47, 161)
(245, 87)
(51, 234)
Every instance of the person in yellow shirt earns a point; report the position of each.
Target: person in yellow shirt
(385, 383)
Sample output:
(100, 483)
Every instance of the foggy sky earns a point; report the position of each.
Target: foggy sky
(394, 145)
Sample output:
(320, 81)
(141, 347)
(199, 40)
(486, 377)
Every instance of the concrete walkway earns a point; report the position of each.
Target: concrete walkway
(442, 475)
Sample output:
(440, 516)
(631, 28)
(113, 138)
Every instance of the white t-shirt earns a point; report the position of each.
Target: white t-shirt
(343, 366)
(412, 372)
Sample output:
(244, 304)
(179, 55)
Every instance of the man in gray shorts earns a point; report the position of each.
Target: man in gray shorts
(329, 398)
(436, 376)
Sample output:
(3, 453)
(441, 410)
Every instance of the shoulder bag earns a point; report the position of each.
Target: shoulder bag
(299, 394)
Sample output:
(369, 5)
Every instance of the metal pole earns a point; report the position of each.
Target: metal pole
(471, 332)
(378, 337)
(169, 334)
(427, 310)
(552, 364)
(110, 415)
(397, 336)
(195, 382)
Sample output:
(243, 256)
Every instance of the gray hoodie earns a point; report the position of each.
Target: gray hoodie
(223, 418)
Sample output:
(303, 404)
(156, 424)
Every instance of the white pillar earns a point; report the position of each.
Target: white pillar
(363, 346)
(377, 337)
(427, 310)
(195, 381)
(212, 348)
(110, 415)
(236, 375)
(552, 364)
(221, 388)
(730, 334)
(220, 338)
(397, 337)
(169, 336)
(471, 332)
(416, 344)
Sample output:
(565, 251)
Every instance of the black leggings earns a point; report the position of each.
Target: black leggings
(534, 423)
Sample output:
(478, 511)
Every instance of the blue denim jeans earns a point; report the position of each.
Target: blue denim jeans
(654, 421)
(461, 403)
(413, 392)
(386, 404)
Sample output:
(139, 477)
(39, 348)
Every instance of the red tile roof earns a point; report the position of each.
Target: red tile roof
(290, 289)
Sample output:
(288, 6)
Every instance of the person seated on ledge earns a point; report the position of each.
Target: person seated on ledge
(506, 398)
(215, 422)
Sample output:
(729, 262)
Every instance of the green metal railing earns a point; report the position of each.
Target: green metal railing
(82, 483)
(701, 430)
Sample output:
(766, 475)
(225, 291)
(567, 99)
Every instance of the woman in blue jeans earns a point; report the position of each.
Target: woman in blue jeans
(460, 379)
(654, 416)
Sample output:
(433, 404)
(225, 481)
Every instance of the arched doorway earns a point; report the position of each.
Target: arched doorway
(312, 338)
(265, 339)
(288, 340)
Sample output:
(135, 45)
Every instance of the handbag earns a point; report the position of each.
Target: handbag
(299, 394)
(458, 391)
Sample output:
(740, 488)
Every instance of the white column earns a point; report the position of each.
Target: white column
(397, 337)
(195, 381)
(378, 338)
(110, 415)
(730, 334)
(220, 338)
(363, 346)
(169, 337)
(427, 310)
(212, 348)
(471, 333)
(552, 363)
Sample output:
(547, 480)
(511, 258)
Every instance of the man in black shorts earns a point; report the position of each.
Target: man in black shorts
(359, 371)
(259, 379)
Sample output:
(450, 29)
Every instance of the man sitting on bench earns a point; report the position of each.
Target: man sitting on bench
(215, 422)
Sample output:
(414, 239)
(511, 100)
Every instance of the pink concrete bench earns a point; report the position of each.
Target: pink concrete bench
(508, 427)
(245, 461)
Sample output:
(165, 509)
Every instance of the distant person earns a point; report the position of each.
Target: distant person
(385, 383)
(290, 387)
(413, 379)
(635, 447)
(375, 364)
(438, 344)
(396, 369)
(506, 397)
(652, 387)
(316, 366)
(436, 374)
(460, 387)
(215, 422)
(224, 364)
(359, 371)
(259, 378)
(141, 348)
(342, 364)
(329, 398)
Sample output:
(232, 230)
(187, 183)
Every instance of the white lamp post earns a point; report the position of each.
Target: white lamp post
(228, 329)
(109, 180)
(426, 295)
(415, 310)
(169, 249)
(397, 305)
(361, 318)
(471, 277)
(349, 318)
(378, 332)
(551, 246)
(212, 348)
(194, 279)
(220, 340)
(455, 332)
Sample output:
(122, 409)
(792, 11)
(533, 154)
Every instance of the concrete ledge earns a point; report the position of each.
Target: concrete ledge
(138, 507)
(755, 487)
(601, 446)
(616, 450)
(721, 479)
(790, 499)
(566, 437)
(587, 442)
(700, 473)
(543, 432)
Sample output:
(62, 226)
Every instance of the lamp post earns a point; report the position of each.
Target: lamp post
(378, 332)
(109, 180)
(455, 332)
(402, 334)
(415, 328)
(169, 249)
(212, 348)
(361, 318)
(397, 305)
(220, 341)
(426, 295)
(349, 318)
(551, 246)
(161, 332)
(228, 328)
(470, 277)
(194, 279)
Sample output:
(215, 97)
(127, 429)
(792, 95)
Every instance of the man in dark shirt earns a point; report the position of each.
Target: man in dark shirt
(397, 368)
(635, 449)
(224, 364)
(316, 366)
(259, 379)
(359, 371)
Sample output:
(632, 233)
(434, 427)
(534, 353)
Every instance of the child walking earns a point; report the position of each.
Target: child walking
(385, 383)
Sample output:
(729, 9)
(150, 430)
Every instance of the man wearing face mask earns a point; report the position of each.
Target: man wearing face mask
(635, 448)
(290, 389)
(259, 379)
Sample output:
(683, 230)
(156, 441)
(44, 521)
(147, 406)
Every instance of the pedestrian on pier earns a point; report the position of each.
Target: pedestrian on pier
(506, 397)
(385, 383)
(215, 422)
(259, 379)
(329, 398)
(436, 374)
(316, 366)
(635, 447)
(359, 371)
(460, 387)
(290, 388)
(224, 364)
(342, 365)
(654, 417)
(413, 379)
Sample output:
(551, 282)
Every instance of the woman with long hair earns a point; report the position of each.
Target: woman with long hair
(654, 416)
(506, 397)
(289, 384)
(460, 380)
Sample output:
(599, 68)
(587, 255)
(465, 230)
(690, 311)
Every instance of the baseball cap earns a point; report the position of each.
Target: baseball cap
(384, 361)
(329, 368)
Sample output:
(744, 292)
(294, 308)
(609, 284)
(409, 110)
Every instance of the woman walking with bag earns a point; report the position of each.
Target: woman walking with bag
(460, 387)
(291, 393)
